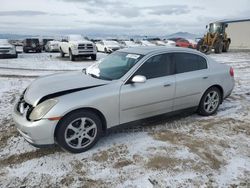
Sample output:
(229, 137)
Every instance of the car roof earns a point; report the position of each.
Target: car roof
(145, 50)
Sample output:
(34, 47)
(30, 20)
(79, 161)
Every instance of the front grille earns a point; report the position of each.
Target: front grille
(23, 107)
(4, 50)
(85, 46)
(114, 49)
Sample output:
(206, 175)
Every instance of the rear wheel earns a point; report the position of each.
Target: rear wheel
(199, 44)
(79, 131)
(210, 101)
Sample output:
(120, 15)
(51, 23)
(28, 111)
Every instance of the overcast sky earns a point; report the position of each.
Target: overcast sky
(143, 17)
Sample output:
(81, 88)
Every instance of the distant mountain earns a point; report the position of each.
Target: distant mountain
(14, 36)
(185, 35)
(119, 36)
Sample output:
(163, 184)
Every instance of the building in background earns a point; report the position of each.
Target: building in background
(239, 33)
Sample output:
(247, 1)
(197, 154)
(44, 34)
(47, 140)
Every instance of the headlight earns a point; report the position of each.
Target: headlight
(42, 109)
(74, 46)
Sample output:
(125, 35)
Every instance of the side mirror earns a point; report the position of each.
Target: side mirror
(206, 26)
(139, 79)
(226, 25)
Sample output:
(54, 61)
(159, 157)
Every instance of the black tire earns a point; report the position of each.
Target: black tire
(25, 51)
(225, 47)
(61, 53)
(71, 56)
(16, 55)
(105, 50)
(73, 119)
(204, 103)
(93, 57)
(199, 44)
(218, 46)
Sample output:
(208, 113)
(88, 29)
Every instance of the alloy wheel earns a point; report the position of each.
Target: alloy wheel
(211, 101)
(80, 133)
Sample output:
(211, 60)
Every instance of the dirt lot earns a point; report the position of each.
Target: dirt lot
(181, 151)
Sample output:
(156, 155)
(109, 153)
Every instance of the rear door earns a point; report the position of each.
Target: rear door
(155, 96)
(191, 75)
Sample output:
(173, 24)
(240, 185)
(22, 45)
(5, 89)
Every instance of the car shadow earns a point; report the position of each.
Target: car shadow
(148, 124)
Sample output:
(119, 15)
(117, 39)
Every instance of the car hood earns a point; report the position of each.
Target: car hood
(58, 85)
(81, 42)
(6, 46)
(113, 46)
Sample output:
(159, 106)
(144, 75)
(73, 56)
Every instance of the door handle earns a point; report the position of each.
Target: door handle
(205, 77)
(167, 85)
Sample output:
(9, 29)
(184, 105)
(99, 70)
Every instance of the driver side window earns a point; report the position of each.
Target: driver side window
(156, 66)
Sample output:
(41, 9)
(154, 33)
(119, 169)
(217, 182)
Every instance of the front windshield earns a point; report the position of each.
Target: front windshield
(4, 41)
(76, 38)
(214, 28)
(147, 42)
(113, 66)
(129, 42)
(110, 42)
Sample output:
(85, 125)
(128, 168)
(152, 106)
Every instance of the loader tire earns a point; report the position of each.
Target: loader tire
(218, 47)
(199, 44)
(225, 47)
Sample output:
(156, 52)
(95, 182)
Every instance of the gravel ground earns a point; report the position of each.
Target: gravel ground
(182, 151)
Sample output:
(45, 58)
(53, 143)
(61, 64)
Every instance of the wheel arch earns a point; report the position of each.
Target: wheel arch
(94, 110)
(218, 87)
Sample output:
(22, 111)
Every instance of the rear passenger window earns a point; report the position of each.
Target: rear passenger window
(157, 66)
(186, 62)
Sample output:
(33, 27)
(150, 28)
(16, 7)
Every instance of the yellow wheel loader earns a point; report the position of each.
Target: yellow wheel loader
(216, 38)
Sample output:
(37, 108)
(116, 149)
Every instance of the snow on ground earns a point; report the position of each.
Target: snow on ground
(182, 151)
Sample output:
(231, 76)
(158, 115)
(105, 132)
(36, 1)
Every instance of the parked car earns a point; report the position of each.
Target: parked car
(107, 46)
(170, 42)
(45, 41)
(74, 109)
(161, 43)
(32, 44)
(77, 46)
(193, 42)
(146, 43)
(128, 44)
(157, 42)
(185, 43)
(7, 49)
(52, 46)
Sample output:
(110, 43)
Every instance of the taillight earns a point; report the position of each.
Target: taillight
(231, 72)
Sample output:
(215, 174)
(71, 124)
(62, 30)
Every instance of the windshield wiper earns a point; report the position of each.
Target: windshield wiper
(99, 77)
(105, 78)
(93, 75)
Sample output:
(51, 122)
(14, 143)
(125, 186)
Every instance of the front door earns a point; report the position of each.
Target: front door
(155, 96)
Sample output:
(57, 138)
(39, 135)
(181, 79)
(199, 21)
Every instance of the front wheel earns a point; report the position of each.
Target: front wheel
(71, 56)
(218, 47)
(79, 131)
(93, 57)
(210, 101)
(61, 53)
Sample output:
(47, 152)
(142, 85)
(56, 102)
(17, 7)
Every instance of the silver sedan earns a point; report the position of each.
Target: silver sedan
(74, 109)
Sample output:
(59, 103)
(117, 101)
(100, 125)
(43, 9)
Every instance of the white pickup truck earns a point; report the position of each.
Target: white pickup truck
(76, 45)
